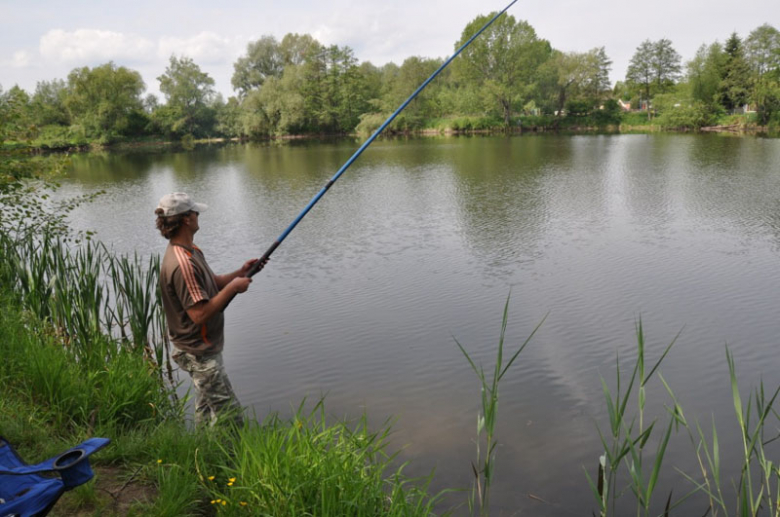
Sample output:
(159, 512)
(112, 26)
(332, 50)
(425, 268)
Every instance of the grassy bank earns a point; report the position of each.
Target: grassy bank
(59, 139)
(85, 355)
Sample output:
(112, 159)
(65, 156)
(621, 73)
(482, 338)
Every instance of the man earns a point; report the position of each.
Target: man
(194, 298)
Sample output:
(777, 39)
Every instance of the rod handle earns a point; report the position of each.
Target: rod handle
(256, 268)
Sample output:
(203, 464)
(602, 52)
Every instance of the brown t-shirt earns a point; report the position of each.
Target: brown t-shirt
(186, 279)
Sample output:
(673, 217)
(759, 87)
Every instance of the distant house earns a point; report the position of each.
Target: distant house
(747, 108)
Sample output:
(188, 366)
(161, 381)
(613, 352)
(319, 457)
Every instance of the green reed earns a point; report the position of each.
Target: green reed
(757, 487)
(86, 292)
(627, 438)
(479, 500)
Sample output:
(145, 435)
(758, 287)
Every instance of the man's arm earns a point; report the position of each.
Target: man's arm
(201, 312)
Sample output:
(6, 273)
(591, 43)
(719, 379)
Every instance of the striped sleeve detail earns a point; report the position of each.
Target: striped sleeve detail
(188, 273)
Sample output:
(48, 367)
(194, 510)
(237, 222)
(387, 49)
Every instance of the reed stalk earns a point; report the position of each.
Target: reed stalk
(483, 468)
(627, 437)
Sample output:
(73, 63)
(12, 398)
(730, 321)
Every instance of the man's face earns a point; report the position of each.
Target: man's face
(192, 218)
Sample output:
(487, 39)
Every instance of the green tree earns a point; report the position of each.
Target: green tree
(279, 107)
(654, 67)
(16, 121)
(263, 59)
(296, 49)
(504, 62)
(762, 51)
(228, 117)
(104, 100)
(736, 82)
(578, 76)
(640, 68)
(666, 65)
(401, 82)
(704, 73)
(343, 90)
(189, 95)
(48, 103)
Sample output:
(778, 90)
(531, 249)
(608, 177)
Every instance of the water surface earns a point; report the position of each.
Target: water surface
(422, 241)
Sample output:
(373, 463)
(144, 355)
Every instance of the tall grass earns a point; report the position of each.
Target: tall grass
(624, 442)
(754, 491)
(306, 466)
(486, 419)
(87, 293)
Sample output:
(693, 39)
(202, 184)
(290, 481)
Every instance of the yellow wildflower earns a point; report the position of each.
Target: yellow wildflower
(230, 484)
(213, 501)
(159, 461)
(232, 480)
(242, 503)
(211, 478)
(224, 503)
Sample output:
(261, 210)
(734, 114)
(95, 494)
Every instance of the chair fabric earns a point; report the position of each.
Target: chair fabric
(32, 490)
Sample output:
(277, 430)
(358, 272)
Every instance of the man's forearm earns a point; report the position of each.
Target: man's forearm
(223, 280)
(202, 312)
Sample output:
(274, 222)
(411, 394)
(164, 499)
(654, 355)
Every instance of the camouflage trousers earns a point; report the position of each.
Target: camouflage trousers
(214, 394)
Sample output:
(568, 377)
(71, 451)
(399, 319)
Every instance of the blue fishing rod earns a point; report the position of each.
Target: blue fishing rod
(258, 265)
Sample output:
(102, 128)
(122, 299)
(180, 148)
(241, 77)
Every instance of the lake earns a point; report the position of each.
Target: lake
(422, 241)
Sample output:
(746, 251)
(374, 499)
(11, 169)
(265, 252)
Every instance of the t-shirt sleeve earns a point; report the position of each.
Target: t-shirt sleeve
(188, 282)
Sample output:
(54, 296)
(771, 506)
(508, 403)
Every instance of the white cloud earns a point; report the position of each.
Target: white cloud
(90, 45)
(206, 47)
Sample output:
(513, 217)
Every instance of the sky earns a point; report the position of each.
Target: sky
(41, 40)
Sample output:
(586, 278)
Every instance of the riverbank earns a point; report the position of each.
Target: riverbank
(635, 122)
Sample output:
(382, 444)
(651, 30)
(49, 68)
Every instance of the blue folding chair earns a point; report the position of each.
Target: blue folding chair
(24, 492)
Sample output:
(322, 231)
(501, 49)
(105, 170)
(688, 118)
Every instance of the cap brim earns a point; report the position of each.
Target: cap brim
(200, 207)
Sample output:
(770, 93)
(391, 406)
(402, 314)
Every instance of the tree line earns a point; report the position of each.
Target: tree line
(722, 78)
(508, 76)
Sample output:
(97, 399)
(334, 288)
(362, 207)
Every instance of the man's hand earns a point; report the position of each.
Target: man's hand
(248, 265)
(240, 284)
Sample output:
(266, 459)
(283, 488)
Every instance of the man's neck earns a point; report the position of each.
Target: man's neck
(182, 239)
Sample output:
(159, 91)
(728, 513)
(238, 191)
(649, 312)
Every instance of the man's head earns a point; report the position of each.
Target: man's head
(176, 210)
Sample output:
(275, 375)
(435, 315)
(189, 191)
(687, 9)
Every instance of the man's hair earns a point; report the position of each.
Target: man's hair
(168, 226)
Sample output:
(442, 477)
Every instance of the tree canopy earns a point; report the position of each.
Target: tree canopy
(297, 85)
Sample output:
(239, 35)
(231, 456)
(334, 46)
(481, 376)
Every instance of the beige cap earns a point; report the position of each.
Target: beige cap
(179, 203)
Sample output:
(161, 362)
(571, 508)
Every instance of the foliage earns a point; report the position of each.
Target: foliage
(15, 117)
(704, 73)
(48, 103)
(503, 62)
(262, 61)
(627, 436)
(655, 67)
(762, 49)
(736, 84)
(676, 112)
(26, 207)
(189, 93)
(307, 466)
(580, 77)
(296, 85)
(105, 101)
